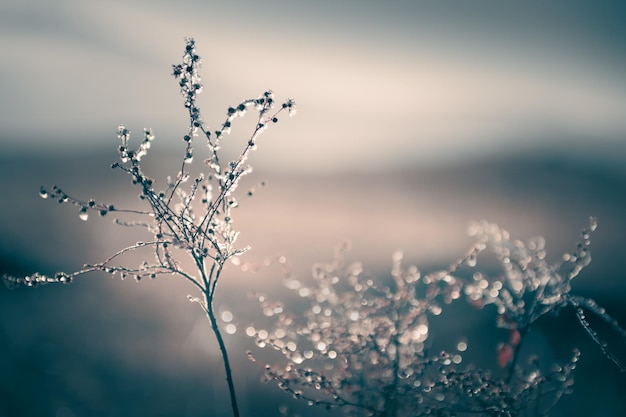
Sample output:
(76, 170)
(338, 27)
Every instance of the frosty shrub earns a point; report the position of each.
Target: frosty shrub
(366, 346)
(190, 217)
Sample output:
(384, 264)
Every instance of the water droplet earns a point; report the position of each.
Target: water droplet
(83, 215)
(297, 358)
(43, 193)
(436, 310)
(461, 346)
(293, 284)
(227, 316)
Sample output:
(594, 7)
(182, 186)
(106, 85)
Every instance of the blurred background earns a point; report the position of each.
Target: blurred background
(414, 119)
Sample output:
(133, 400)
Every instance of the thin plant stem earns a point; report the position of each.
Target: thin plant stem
(224, 353)
(516, 354)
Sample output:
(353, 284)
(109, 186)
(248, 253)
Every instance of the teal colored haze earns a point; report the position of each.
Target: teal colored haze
(378, 84)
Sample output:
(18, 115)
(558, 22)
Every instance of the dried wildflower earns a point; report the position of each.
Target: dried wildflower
(186, 219)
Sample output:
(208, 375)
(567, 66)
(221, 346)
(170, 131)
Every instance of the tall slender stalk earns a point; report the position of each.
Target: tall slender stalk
(186, 218)
(220, 341)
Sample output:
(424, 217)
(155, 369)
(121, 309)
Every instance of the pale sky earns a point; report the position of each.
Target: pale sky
(378, 84)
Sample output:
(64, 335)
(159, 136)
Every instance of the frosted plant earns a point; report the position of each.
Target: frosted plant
(362, 345)
(530, 287)
(190, 218)
(366, 347)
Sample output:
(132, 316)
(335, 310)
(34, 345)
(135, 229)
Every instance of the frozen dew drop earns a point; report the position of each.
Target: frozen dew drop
(293, 284)
(436, 310)
(461, 346)
(297, 358)
(83, 215)
(227, 316)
